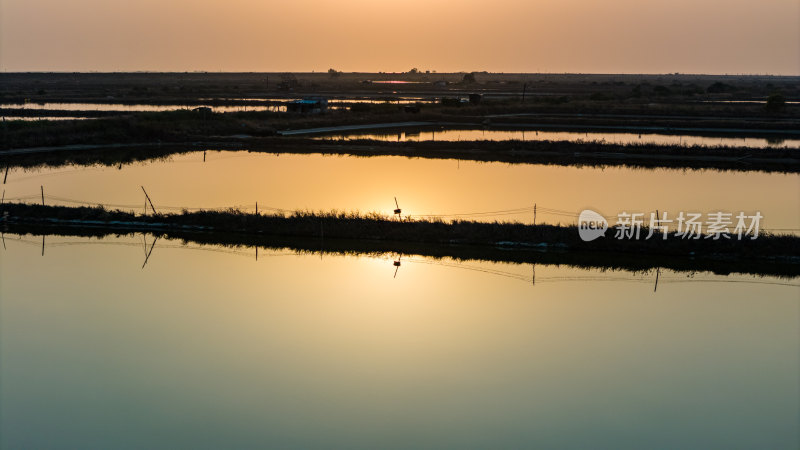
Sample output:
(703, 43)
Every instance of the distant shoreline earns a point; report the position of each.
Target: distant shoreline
(666, 103)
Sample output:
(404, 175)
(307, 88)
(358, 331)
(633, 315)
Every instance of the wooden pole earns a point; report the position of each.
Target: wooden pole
(6, 175)
(534, 214)
(150, 252)
(148, 199)
(42, 245)
(42, 195)
(397, 211)
(658, 272)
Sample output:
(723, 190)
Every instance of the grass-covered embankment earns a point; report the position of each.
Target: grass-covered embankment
(168, 126)
(572, 153)
(768, 254)
(597, 154)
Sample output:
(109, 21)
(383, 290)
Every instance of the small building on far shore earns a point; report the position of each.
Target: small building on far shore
(308, 105)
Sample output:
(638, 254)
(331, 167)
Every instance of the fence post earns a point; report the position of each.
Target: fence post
(150, 201)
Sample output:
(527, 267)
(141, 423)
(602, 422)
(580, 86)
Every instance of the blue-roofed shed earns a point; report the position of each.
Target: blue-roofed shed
(309, 105)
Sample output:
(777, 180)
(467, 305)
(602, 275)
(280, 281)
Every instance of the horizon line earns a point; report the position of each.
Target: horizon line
(421, 72)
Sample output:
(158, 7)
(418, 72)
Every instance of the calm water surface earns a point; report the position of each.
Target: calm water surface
(571, 136)
(37, 118)
(116, 107)
(450, 189)
(348, 100)
(205, 347)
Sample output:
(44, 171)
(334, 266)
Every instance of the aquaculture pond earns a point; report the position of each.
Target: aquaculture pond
(38, 118)
(127, 342)
(424, 188)
(118, 107)
(533, 134)
(270, 104)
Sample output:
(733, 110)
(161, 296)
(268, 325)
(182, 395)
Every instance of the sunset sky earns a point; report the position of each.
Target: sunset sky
(612, 36)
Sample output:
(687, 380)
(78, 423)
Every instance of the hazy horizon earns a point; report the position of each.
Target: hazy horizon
(433, 72)
(711, 37)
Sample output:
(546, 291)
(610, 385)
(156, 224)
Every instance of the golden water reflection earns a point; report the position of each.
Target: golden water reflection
(453, 135)
(119, 107)
(450, 189)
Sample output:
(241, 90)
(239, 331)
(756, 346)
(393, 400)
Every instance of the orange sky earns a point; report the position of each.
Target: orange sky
(611, 36)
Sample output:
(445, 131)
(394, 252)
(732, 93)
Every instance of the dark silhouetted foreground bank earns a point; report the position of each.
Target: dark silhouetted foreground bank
(513, 242)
